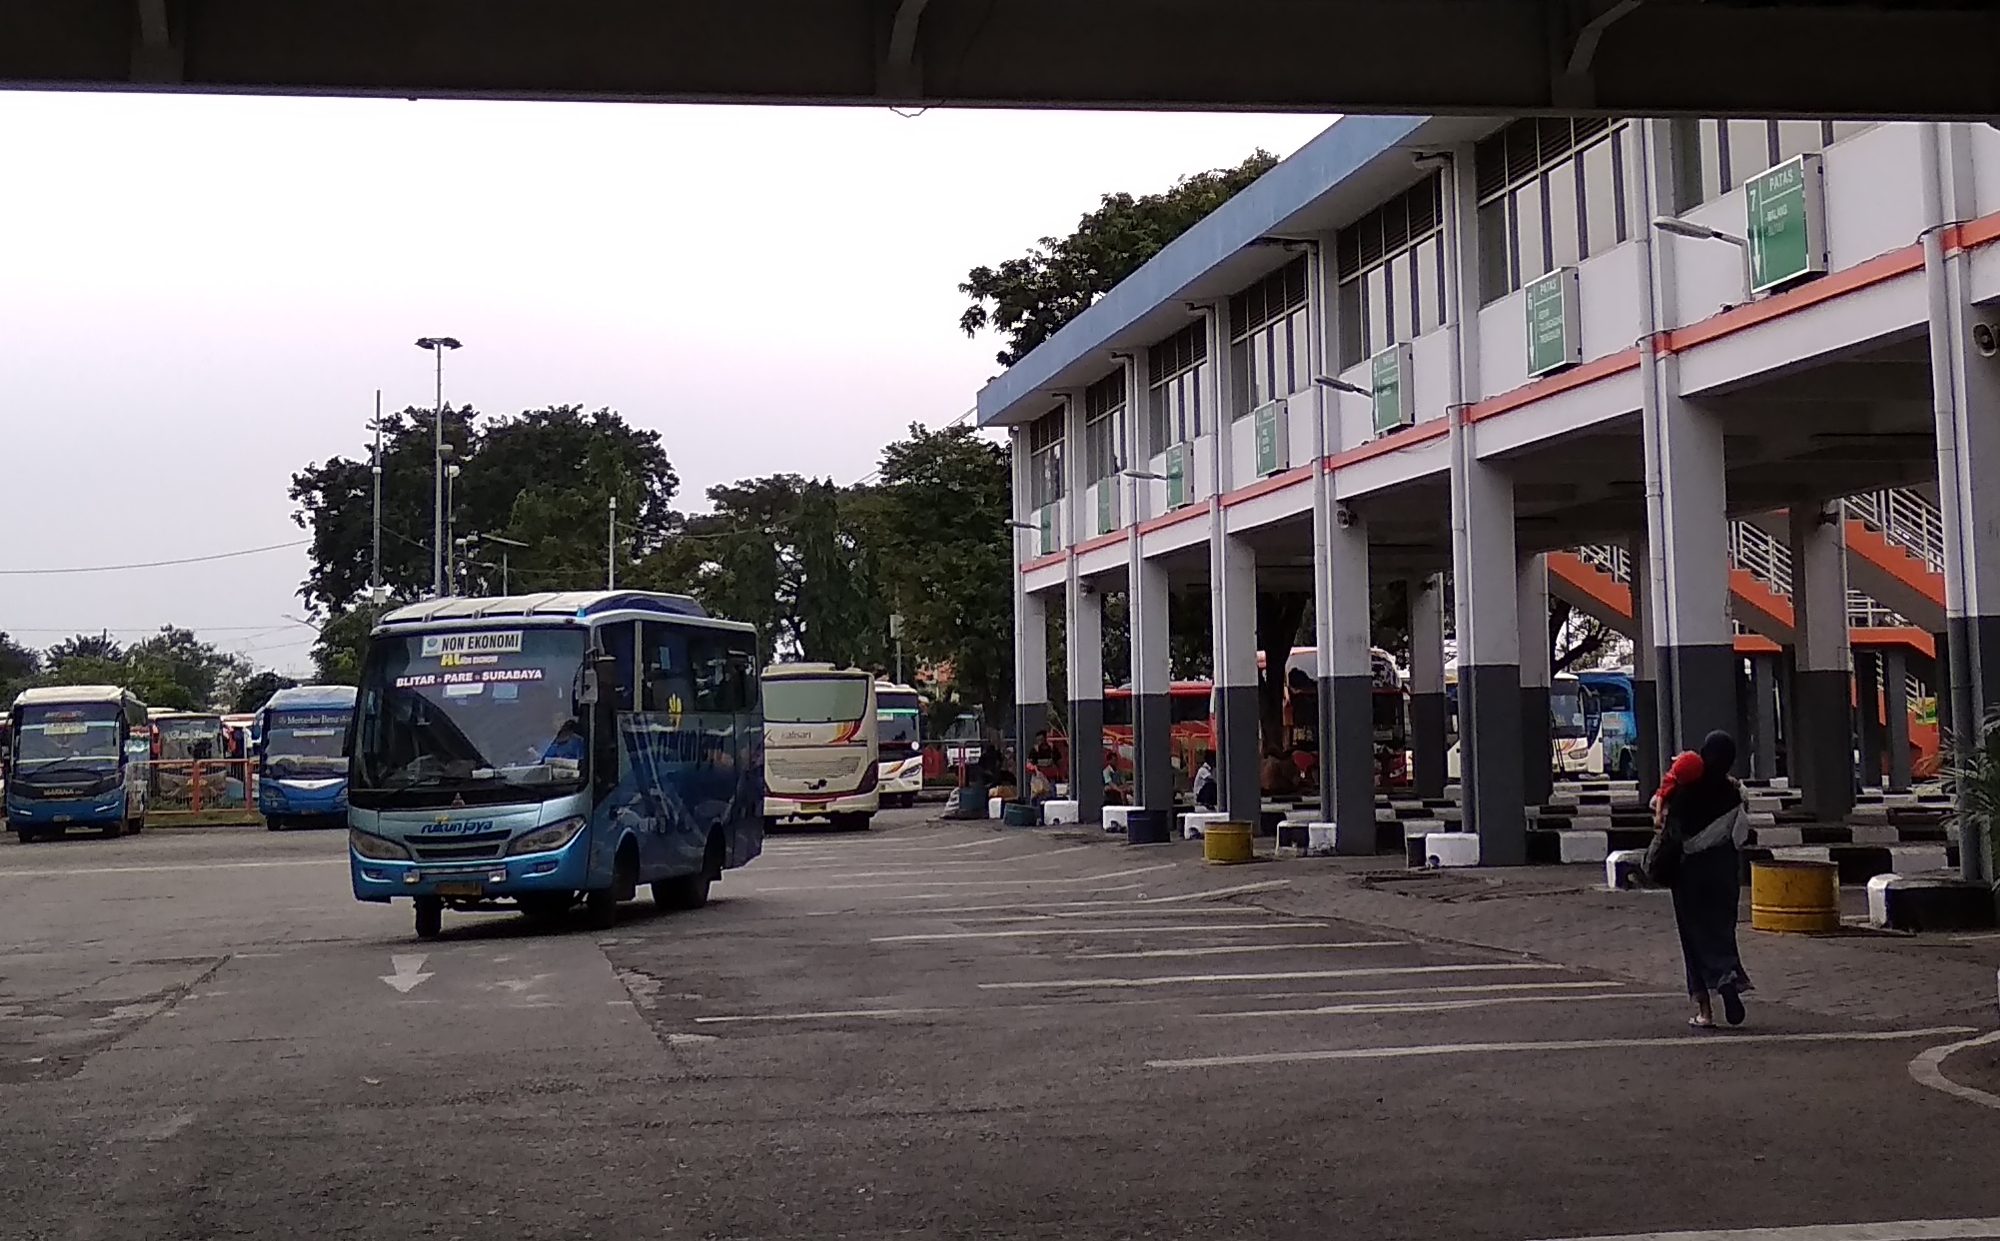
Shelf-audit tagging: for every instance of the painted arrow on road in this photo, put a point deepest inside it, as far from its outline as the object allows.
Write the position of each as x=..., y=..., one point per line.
x=408, y=972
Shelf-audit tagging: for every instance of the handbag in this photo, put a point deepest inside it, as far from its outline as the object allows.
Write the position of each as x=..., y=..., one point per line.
x=1664, y=852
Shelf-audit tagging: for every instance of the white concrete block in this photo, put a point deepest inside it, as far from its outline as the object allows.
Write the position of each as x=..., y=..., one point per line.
x=1868, y=814
x=1195, y=823
x=1623, y=858
x=1803, y=853
x=993, y=805
x=1116, y=819
x=1058, y=810
x=1451, y=849
x=1415, y=828
x=1584, y=846
x=1780, y=837
x=1875, y=834
x=1319, y=839
x=1385, y=814
x=1878, y=899
x=1916, y=859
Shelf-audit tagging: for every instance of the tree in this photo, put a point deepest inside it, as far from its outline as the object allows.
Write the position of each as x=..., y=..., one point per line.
x=1028, y=298
x=258, y=690
x=1575, y=638
x=1279, y=617
x=343, y=640
x=18, y=666
x=205, y=675
x=85, y=645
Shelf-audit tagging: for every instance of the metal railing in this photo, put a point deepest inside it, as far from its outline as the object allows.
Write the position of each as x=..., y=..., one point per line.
x=1905, y=517
x=199, y=786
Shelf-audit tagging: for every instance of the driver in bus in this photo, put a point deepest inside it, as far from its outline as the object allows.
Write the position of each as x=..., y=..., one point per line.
x=567, y=744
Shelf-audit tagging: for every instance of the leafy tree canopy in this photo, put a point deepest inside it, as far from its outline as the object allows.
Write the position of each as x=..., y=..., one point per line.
x=1027, y=299
x=258, y=690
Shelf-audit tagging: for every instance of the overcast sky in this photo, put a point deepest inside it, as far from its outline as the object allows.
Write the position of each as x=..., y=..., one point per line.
x=200, y=295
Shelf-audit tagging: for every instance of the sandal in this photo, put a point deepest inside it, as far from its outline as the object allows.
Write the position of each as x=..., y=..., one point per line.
x=1701, y=1023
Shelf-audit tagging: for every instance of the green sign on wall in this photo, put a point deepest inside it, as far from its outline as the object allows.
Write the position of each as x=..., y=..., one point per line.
x=1269, y=419
x=1047, y=520
x=1555, y=322
x=1177, y=489
x=1107, y=505
x=1395, y=400
x=1786, y=222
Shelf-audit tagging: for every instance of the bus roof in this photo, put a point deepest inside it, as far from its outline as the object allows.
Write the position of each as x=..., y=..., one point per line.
x=803, y=669
x=309, y=697
x=893, y=687
x=73, y=693
x=550, y=605
x=168, y=714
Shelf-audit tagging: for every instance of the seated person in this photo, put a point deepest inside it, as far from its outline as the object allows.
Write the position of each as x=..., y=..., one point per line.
x=566, y=745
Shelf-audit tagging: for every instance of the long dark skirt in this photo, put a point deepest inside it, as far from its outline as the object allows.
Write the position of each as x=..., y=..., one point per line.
x=1706, y=893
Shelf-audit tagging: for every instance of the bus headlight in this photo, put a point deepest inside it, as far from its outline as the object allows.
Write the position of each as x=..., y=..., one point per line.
x=548, y=839
x=376, y=848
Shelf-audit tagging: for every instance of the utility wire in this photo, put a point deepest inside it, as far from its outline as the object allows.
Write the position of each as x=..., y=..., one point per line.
x=154, y=564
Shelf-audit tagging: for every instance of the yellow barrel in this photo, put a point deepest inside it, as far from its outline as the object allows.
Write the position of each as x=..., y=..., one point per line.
x=1799, y=897
x=1226, y=842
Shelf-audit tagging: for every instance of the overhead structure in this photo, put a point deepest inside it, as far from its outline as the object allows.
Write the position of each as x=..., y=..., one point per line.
x=1804, y=58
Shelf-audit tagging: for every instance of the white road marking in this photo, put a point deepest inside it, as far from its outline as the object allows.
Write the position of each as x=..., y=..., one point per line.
x=1229, y=950
x=154, y=870
x=936, y=936
x=1928, y=1070
x=1897, y=1230
x=923, y=868
x=1446, y=1006
x=1459, y=989
x=972, y=883
x=159, y=1131
x=1182, y=980
x=1701, y=1042
x=956, y=896
x=1144, y=911
x=408, y=973
x=1126, y=903
x=848, y=850
x=822, y=1016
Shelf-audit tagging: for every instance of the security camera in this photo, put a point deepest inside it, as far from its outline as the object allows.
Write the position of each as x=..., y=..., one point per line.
x=1343, y=516
x=1985, y=339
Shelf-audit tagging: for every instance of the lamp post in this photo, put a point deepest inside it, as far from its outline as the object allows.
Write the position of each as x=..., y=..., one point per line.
x=451, y=472
x=1678, y=227
x=438, y=345
x=375, y=591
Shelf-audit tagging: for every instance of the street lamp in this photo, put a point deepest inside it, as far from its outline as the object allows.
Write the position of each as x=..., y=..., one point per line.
x=1702, y=232
x=475, y=539
x=1341, y=385
x=451, y=472
x=438, y=345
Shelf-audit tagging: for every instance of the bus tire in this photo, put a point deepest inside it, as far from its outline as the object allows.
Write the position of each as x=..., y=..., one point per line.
x=272, y=823
x=853, y=822
x=430, y=917
x=113, y=831
x=139, y=825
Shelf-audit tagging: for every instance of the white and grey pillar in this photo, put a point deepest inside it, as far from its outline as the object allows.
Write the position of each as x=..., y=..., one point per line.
x=1646, y=748
x=1537, y=745
x=1697, y=647
x=1427, y=701
x=1346, y=680
x=1085, y=648
x=1489, y=658
x=1233, y=615
x=1152, y=741
x=1822, y=745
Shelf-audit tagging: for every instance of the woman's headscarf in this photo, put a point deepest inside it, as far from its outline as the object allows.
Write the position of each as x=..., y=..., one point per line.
x=1714, y=795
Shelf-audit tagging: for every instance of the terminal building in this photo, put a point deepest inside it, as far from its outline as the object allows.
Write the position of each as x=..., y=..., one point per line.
x=1728, y=386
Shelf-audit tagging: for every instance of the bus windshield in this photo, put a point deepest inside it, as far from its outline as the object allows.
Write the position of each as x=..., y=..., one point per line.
x=502, y=722
x=1566, y=710
x=814, y=700
x=899, y=721
x=77, y=735
x=191, y=737
x=305, y=740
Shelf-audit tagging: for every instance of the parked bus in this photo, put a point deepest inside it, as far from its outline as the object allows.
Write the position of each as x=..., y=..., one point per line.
x=534, y=751
x=821, y=745
x=301, y=773
x=1190, y=729
x=182, y=739
x=1609, y=721
x=1572, y=739
x=899, y=727
x=78, y=760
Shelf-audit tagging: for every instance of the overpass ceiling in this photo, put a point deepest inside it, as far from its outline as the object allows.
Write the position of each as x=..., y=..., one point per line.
x=1486, y=57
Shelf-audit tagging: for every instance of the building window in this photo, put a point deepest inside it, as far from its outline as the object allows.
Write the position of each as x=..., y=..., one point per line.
x=1103, y=432
x=1552, y=192
x=1045, y=459
x=1712, y=158
x=1390, y=269
x=1178, y=367
x=1268, y=350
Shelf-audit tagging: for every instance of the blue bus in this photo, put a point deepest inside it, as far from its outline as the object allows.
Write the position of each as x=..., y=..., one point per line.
x=1609, y=719
x=301, y=772
x=78, y=760
x=534, y=752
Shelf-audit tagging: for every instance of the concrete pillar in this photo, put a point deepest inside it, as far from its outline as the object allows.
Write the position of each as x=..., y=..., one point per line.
x=1788, y=718
x=1233, y=613
x=1346, y=681
x=1868, y=711
x=1489, y=655
x=1821, y=749
x=1763, y=730
x=1646, y=731
x=1696, y=646
x=1031, y=679
x=1427, y=703
x=1896, y=700
x=1152, y=742
x=1085, y=609
x=1537, y=746
x=1941, y=686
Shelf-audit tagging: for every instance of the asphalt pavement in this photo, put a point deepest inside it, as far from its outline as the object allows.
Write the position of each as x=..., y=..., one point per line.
x=926, y=1030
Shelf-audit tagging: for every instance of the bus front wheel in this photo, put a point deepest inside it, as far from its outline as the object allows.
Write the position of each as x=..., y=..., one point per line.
x=430, y=917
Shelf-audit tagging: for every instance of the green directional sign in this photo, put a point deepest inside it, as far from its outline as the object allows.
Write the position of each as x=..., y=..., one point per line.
x=1107, y=505
x=1047, y=520
x=1786, y=222
x=1177, y=488
x=1555, y=322
x=1269, y=419
x=1395, y=401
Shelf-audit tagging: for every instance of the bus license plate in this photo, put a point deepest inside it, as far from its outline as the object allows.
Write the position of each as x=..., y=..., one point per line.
x=460, y=889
